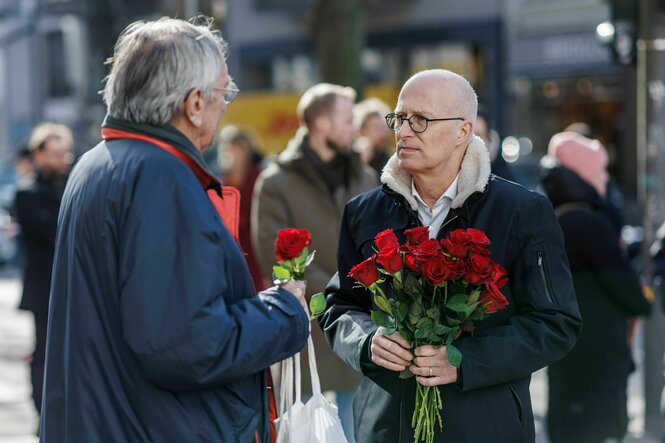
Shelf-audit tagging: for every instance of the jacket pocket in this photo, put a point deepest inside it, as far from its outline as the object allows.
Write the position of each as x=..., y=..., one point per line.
x=518, y=402
x=541, y=279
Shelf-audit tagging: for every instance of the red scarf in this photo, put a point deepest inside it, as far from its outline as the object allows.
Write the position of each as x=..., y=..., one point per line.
x=227, y=205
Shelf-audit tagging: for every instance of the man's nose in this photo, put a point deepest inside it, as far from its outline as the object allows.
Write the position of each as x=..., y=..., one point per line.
x=404, y=130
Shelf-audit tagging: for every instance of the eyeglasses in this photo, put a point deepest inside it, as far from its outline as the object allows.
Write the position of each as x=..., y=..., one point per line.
x=230, y=92
x=417, y=122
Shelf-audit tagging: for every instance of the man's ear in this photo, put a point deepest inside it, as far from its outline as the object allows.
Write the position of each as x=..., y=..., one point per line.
x=465, y=133
x=193, y=107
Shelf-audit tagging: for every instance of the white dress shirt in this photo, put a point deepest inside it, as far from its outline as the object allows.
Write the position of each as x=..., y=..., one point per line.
x=434, y=218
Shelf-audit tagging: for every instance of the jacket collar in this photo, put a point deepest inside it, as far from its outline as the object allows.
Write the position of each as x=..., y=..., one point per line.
x=166, y=133
x=293, y=156
x=473, y=176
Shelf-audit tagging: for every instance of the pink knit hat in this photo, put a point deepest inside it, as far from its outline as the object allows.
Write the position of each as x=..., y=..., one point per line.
x=587, y=158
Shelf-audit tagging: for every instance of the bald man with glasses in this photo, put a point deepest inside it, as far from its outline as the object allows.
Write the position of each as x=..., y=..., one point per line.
x=440, y=178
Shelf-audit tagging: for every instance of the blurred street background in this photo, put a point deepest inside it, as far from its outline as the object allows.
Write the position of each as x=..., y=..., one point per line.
x=538, y=67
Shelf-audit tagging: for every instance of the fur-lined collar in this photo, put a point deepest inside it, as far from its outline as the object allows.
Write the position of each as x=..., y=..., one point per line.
x=473, y=177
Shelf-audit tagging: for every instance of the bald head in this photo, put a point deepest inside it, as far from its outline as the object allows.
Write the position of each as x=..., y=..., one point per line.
x=452, y=91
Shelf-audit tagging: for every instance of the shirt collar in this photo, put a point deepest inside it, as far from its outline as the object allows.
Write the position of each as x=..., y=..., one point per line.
x=449, y=193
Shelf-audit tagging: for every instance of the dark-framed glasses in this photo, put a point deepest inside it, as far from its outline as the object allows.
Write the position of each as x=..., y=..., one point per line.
x=417, y=122
x=230, y=92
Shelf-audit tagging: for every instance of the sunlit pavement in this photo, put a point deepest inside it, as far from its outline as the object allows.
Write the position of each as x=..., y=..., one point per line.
x=18, y=419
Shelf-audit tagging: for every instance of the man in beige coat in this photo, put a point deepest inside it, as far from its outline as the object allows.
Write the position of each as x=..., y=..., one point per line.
x=307, y=187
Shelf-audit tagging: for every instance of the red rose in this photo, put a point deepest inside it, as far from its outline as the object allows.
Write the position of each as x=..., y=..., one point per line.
x=492, y=299
x=290, y=243
x=411, y=263
x=385, y=238
x=436, y=271
x=428, y=248
x=457, y=250
x=479, y=269
x=500, y=277
x=478, y=238
x=416, y=236
x=390, y=258
x=365, y=272
x=457, y=266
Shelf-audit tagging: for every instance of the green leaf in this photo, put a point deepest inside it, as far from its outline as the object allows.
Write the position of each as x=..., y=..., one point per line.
x=401, y=311
x=433, y=313
x=280, y=273
x=477, y=314
x=405, y=374
x=425, y=328
x=452, y=321
x=317, y=304
x=473, y=297
x=457, y=303
x=383, y=304
x=388, y=331
x=309, y=259
x=405, y=332
x=454, y=356
x=382, y=319
x=442, y=330
x=451, y=336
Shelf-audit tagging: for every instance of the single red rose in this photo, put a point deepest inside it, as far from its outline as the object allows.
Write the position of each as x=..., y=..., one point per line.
x=390, y=258
x=435, y=270
x=416, y=236
x=480, y=269
x=492, y=299
x=457, y=250
x=385, y=238
x=291, y=242
x=478, y=238
x=500, y=277
x=411, y=263
x=428, y=248
x=365, y=272
x=457, y=266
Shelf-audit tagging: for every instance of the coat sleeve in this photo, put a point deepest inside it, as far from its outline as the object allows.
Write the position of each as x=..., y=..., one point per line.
x=346, y=322
x=545, y=319
x=38, y=220
x=188, y=322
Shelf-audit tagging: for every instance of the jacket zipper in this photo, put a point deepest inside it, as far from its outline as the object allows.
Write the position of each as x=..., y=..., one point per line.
x=446, y=223
x=541, y=267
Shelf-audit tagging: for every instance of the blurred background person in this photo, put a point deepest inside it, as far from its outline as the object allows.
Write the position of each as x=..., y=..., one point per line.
x=484, y=130
x=37, y=204
x=374, y=143
x=240, y=163
x=307, y=187
x=587, y=388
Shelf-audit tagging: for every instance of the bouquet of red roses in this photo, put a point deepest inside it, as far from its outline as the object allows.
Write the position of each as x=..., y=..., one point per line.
x=438, y=289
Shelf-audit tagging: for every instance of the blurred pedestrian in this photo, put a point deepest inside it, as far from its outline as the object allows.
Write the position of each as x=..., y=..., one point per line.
x=374, y=141
x=484, y=130
x=37, y=203
x=587, y=388
x=307, y=187
x=240, y=163
x=24, y=167
x=440, y=178
x=156, y=334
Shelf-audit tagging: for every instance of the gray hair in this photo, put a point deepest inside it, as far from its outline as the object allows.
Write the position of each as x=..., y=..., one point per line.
x=156, y=64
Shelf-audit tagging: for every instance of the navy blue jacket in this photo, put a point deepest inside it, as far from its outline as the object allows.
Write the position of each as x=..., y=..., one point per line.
x=156, y=333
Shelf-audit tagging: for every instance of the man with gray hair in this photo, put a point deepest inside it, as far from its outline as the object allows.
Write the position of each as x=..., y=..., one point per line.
x=155, y=331
x=440, y=178
x=307, y=187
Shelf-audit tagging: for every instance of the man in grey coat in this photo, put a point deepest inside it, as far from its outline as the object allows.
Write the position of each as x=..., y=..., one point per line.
x=307, y=188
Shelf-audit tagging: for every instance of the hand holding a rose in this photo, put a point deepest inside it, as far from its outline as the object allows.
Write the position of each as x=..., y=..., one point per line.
x=297, y=288
x=390, y=351
x=431, y=366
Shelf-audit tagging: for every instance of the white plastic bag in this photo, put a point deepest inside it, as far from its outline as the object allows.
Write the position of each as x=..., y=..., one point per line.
x=316, y=421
